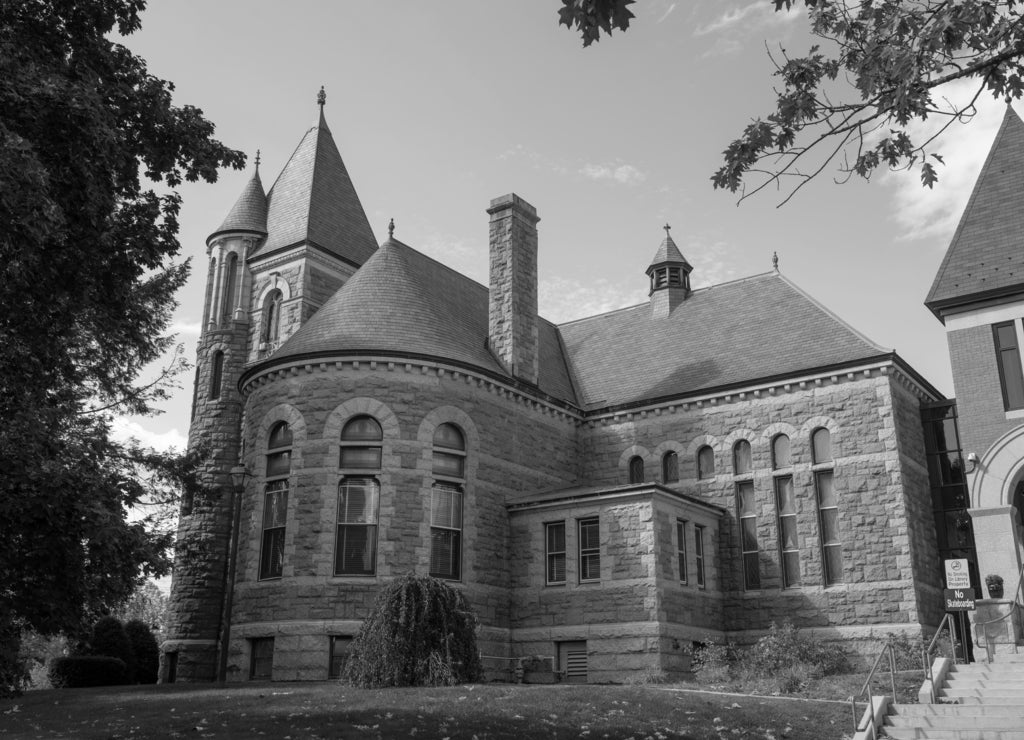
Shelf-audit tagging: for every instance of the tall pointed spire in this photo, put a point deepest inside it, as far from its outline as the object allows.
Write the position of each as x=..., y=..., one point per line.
x=314, y=201
x=249, y=214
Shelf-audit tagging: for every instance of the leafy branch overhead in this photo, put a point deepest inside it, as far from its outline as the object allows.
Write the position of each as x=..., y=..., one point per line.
x=856, y=101
x=591, y=17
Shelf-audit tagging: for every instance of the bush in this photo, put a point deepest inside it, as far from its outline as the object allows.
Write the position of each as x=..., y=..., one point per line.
x=13, y=671
x=80, y=671
x=109, y=639
x=421, y=633
x=713, y=662
x=145, y=650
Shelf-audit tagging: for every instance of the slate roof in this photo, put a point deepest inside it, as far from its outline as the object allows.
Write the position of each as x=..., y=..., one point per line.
x=986, y=256
x=249, y=213
x=668, y=252
x=402, y=302
x=313, y=200
x=730, y=334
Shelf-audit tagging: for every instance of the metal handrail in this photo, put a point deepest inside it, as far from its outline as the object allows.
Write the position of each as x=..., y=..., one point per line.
x=926, y=653
x=865, y=689
x=985, y=624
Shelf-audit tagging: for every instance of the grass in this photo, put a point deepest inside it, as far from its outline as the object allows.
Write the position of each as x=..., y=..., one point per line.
x=333, y=710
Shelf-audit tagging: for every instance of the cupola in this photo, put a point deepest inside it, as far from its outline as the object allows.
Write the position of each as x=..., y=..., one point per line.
x=669, y=273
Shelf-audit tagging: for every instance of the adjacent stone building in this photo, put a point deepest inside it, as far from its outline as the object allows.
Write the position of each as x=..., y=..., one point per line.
x=607, y=491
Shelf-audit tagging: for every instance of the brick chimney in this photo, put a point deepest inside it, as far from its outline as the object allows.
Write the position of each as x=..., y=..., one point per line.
x=512, y=314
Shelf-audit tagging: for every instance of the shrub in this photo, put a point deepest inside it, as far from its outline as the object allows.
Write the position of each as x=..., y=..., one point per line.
x=109, y=639
x=713, y=662
x=784, y=646
x=145, y=650
x=13, y=671
x=421, y=633
x=80, y=671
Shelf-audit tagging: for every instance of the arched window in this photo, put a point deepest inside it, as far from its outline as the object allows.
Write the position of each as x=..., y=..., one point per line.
x=828, y=507
x=275, y=500
x=272, y=317
x=706, y=462
x=785, y=512
x=670, y=467
x=446, y=498
x=355, y=548
x=781, y=452
x=211, y=277
x=216, y=374
x=230, y=279
x=741, y=459
x=636, y=469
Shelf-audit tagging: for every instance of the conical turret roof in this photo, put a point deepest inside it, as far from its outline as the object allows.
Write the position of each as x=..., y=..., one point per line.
x=985, y=259
x=249, y=214
x=668, y=252
x=313, y=201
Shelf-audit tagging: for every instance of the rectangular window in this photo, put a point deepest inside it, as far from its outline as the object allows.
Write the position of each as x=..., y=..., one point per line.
x=1008, y=356
x=681, y=548
x=828, y=521
x=554, y=536
x=340, y=646
x=275, y=509
x=261, y=664
x=789, y=548
x=356, y=547
x=446, y=531
x=590, y=550
x=747, y=508
x=698, y=550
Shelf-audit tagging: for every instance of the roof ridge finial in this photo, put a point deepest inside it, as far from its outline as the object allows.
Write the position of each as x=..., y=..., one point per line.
x=321, y=98
x=775, y=261
x=391, y=229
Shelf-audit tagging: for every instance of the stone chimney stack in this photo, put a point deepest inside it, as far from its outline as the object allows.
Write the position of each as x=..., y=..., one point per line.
x=512, y=315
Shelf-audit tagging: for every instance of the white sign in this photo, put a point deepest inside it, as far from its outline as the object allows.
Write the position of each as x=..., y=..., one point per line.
x=957, y=574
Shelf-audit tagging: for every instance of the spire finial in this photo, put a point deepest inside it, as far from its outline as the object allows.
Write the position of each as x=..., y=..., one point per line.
x=775, y=261
x=666, y=227
x=321, y=97
x=391, y=228
x=257, y=160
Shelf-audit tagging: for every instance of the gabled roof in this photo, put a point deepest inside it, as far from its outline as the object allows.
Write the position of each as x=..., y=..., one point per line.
x=314, y=201
x=985, y=259
x=402, y=303
x=726, y=335
x=249, y=214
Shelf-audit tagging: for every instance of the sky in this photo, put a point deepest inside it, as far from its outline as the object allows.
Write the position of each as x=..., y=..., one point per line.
x=439, y=107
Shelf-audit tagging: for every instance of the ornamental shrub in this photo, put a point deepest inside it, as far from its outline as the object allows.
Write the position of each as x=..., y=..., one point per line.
x=785, y=646
x=81, y=671
x=422, y=632
x=109, y=638
x=145, y=650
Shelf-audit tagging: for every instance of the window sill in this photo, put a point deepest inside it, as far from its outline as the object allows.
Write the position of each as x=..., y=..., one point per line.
x=1015, y=414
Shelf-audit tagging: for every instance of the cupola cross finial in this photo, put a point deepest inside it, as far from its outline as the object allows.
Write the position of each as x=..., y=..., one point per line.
x=391, y=228
x=321, y=97
x=257, y=160
x=666, y=227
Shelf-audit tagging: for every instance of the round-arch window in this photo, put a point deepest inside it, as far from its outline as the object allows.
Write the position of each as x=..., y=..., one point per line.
x=360, y=444
x=670, y=467
x=449, y=451
x=706, y=462
x=741, y=458
x=279, y=454
x=781, y=452
x=821, y=443
x=636, y=469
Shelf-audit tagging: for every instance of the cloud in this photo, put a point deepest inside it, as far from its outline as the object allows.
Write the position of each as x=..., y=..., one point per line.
x=749, y=19
x=565, y=299
x=624, y=174
x=713, y=261
x=124, y=429
x=537, y=160
x=469, y=258
x=666, y=14
x=186, y=328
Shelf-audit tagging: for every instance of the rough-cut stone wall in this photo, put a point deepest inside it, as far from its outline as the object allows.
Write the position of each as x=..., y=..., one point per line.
x=512, y=448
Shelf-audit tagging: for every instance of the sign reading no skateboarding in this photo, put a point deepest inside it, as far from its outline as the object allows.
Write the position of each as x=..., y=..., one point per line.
x=957, y=574
x=959, y=599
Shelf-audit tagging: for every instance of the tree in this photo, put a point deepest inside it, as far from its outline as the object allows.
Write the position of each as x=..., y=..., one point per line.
x=851, y=102
x=421, y=632
x=147, y=605
x=89, y=260
x=145, y=651
x=110, y=639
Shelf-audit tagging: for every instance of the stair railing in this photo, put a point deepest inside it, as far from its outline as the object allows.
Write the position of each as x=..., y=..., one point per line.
x=890, y=650
x=928, y=652
x=1016, y=602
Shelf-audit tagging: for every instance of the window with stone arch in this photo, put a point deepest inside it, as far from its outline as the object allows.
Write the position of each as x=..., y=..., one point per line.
x=823, y=465
x=359, y=461
x=636, y=469
x=705, y=462
x=275, y=500
x=216, y=374
x=746, y=513
x=785, y=511
x=272, y=317
x=446, y=502
x=230, y=281
x=670, y=467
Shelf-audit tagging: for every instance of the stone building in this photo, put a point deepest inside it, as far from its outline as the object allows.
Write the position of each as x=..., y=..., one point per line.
x=607, y=491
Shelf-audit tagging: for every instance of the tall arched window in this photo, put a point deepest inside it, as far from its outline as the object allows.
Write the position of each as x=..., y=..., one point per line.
x=355, y=551
x=706, y=462
x=828, y=507
x=636, y=469
x=446, y=498
x=670, y=467
x=230, y=280
x=216, y=374
x=275, y=500
x=741, y=459
x=785, y=512
x=746, y=512
x=211, y=277
x=272, y=317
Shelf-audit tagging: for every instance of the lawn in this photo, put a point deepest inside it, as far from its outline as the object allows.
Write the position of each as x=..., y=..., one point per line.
x=334, y=710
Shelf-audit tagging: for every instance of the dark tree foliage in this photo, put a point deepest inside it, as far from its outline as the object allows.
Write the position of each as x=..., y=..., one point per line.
x=109, y=638
x=89, y=270
x=851, y=103
x=421, y=633
x=81, y=671
x=145, y=650
x=591, y=17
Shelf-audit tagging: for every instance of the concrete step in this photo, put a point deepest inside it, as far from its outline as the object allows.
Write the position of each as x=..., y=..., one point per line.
x=958, y=681
x=978, y=720
x=984, y=701
x=918, y=733
x=989, y=693
x=1014, y=709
